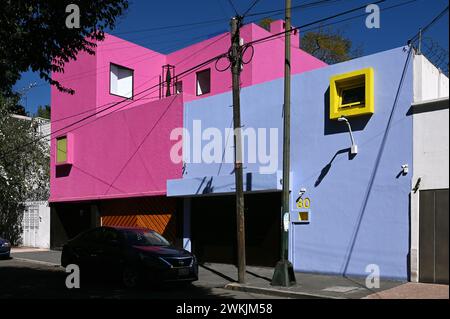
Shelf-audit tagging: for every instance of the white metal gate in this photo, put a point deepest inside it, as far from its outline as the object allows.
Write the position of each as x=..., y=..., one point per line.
x=30, y=226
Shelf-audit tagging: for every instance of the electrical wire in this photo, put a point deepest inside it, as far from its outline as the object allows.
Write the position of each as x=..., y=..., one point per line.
x=234, y=7
x=216, y=58
x=250, y=8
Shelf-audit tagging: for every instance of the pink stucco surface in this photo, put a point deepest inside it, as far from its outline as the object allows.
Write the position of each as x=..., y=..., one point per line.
x=122, y=154
x=123, y=149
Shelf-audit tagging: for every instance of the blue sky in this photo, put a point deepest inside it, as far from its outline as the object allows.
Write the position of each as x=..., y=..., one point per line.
x=397, y=26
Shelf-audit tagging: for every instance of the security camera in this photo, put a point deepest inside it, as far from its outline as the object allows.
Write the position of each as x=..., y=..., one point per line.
x=405, y=169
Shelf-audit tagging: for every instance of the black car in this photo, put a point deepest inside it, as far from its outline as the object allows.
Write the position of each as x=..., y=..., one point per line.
x=5, y=248
x=132, y=254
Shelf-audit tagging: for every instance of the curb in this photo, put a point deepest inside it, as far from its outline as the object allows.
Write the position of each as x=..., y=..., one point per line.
x=45, y=263
x=277, y=292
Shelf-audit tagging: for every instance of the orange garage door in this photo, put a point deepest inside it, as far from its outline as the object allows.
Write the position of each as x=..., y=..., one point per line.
x=157, y=213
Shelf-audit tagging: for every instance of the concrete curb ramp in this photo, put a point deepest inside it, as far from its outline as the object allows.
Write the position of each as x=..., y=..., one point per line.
x=276, y=292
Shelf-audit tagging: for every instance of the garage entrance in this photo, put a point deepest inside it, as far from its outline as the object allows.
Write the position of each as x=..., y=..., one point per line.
x=157, y=213
x=213, y=227
x=433, y=236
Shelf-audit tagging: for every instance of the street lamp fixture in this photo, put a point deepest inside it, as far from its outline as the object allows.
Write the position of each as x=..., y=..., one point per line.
x=354, y=147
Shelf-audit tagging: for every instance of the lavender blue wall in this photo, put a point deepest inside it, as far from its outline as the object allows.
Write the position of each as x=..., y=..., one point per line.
x=348, y=230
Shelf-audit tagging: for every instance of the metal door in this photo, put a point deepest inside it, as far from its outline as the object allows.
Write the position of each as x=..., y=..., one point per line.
x=433, y=236
x=30, y=226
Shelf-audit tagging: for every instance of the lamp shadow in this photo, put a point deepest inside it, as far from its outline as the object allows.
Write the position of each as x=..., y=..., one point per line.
x=326, y=169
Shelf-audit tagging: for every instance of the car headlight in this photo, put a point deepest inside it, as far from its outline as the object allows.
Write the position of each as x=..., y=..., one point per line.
x=6, y=244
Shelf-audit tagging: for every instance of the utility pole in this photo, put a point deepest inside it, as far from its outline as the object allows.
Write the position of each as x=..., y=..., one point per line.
x=236, y=64
x=284, y=272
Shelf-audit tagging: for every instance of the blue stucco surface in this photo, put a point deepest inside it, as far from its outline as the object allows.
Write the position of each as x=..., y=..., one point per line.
x=359, y=206
x=350, y=230
x=223, y=184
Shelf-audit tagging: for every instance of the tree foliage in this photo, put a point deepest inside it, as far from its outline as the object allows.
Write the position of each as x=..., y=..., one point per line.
x=34, y=35
x=44, y=111
x=265, y=23
x=329, y=46
x=24, y=169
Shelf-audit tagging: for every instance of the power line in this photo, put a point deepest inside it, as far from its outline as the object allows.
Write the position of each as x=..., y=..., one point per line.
x=85, y=74
x=234, y=7
x=300, y=6
x=181, y=62
x=250, y=8
x=176, y=26
x=429, y=25
x=344, y=20
x=312, y=23
x=185, y=73
x=181, y=75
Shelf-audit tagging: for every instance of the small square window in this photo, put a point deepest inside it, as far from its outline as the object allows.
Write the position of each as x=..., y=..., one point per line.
x=204, y=82
x=61, y=150
x=121, y=81
x=352, y=94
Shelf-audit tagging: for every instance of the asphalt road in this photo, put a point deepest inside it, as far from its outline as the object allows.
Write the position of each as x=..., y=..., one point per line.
x=25, y=279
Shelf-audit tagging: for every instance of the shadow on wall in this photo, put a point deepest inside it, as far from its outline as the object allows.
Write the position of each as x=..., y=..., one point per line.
x=334, y=127
x=326, y=169
x=62, y=170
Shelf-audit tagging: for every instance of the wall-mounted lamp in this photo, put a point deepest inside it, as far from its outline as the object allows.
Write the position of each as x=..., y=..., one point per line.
x=354, y=147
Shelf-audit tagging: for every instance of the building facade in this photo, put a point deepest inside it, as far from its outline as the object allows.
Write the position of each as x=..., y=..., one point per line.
x=164, y=158
x=36, y=214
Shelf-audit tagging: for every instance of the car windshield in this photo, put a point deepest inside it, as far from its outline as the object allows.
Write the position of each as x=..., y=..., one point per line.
x=144, y=238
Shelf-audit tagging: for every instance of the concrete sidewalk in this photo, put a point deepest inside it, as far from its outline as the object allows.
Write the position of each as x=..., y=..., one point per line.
x=315, y=286
x=309, y=286
x=44, y=256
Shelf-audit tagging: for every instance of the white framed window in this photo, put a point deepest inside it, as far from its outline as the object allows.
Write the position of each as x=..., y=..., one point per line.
x=204, y=82
x=121, y=81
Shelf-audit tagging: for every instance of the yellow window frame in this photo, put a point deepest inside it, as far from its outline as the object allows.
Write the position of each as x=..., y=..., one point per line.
x=61, y=149
x=340, y=83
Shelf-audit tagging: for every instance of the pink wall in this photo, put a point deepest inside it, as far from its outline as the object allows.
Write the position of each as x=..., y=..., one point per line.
x=103, y=144
x=267, y=63
x=145, y=63
x=267, y=67
x=123, y=154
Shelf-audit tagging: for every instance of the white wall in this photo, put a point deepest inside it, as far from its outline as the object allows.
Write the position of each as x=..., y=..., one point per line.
x=431, y=148
x=430, y=142
x=429, y=82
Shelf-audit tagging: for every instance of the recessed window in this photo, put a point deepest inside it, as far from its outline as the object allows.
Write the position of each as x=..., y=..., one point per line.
x=121, y=81
x=204, y=82
x=179, y=87
x=61, y=150
x=352, y=94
